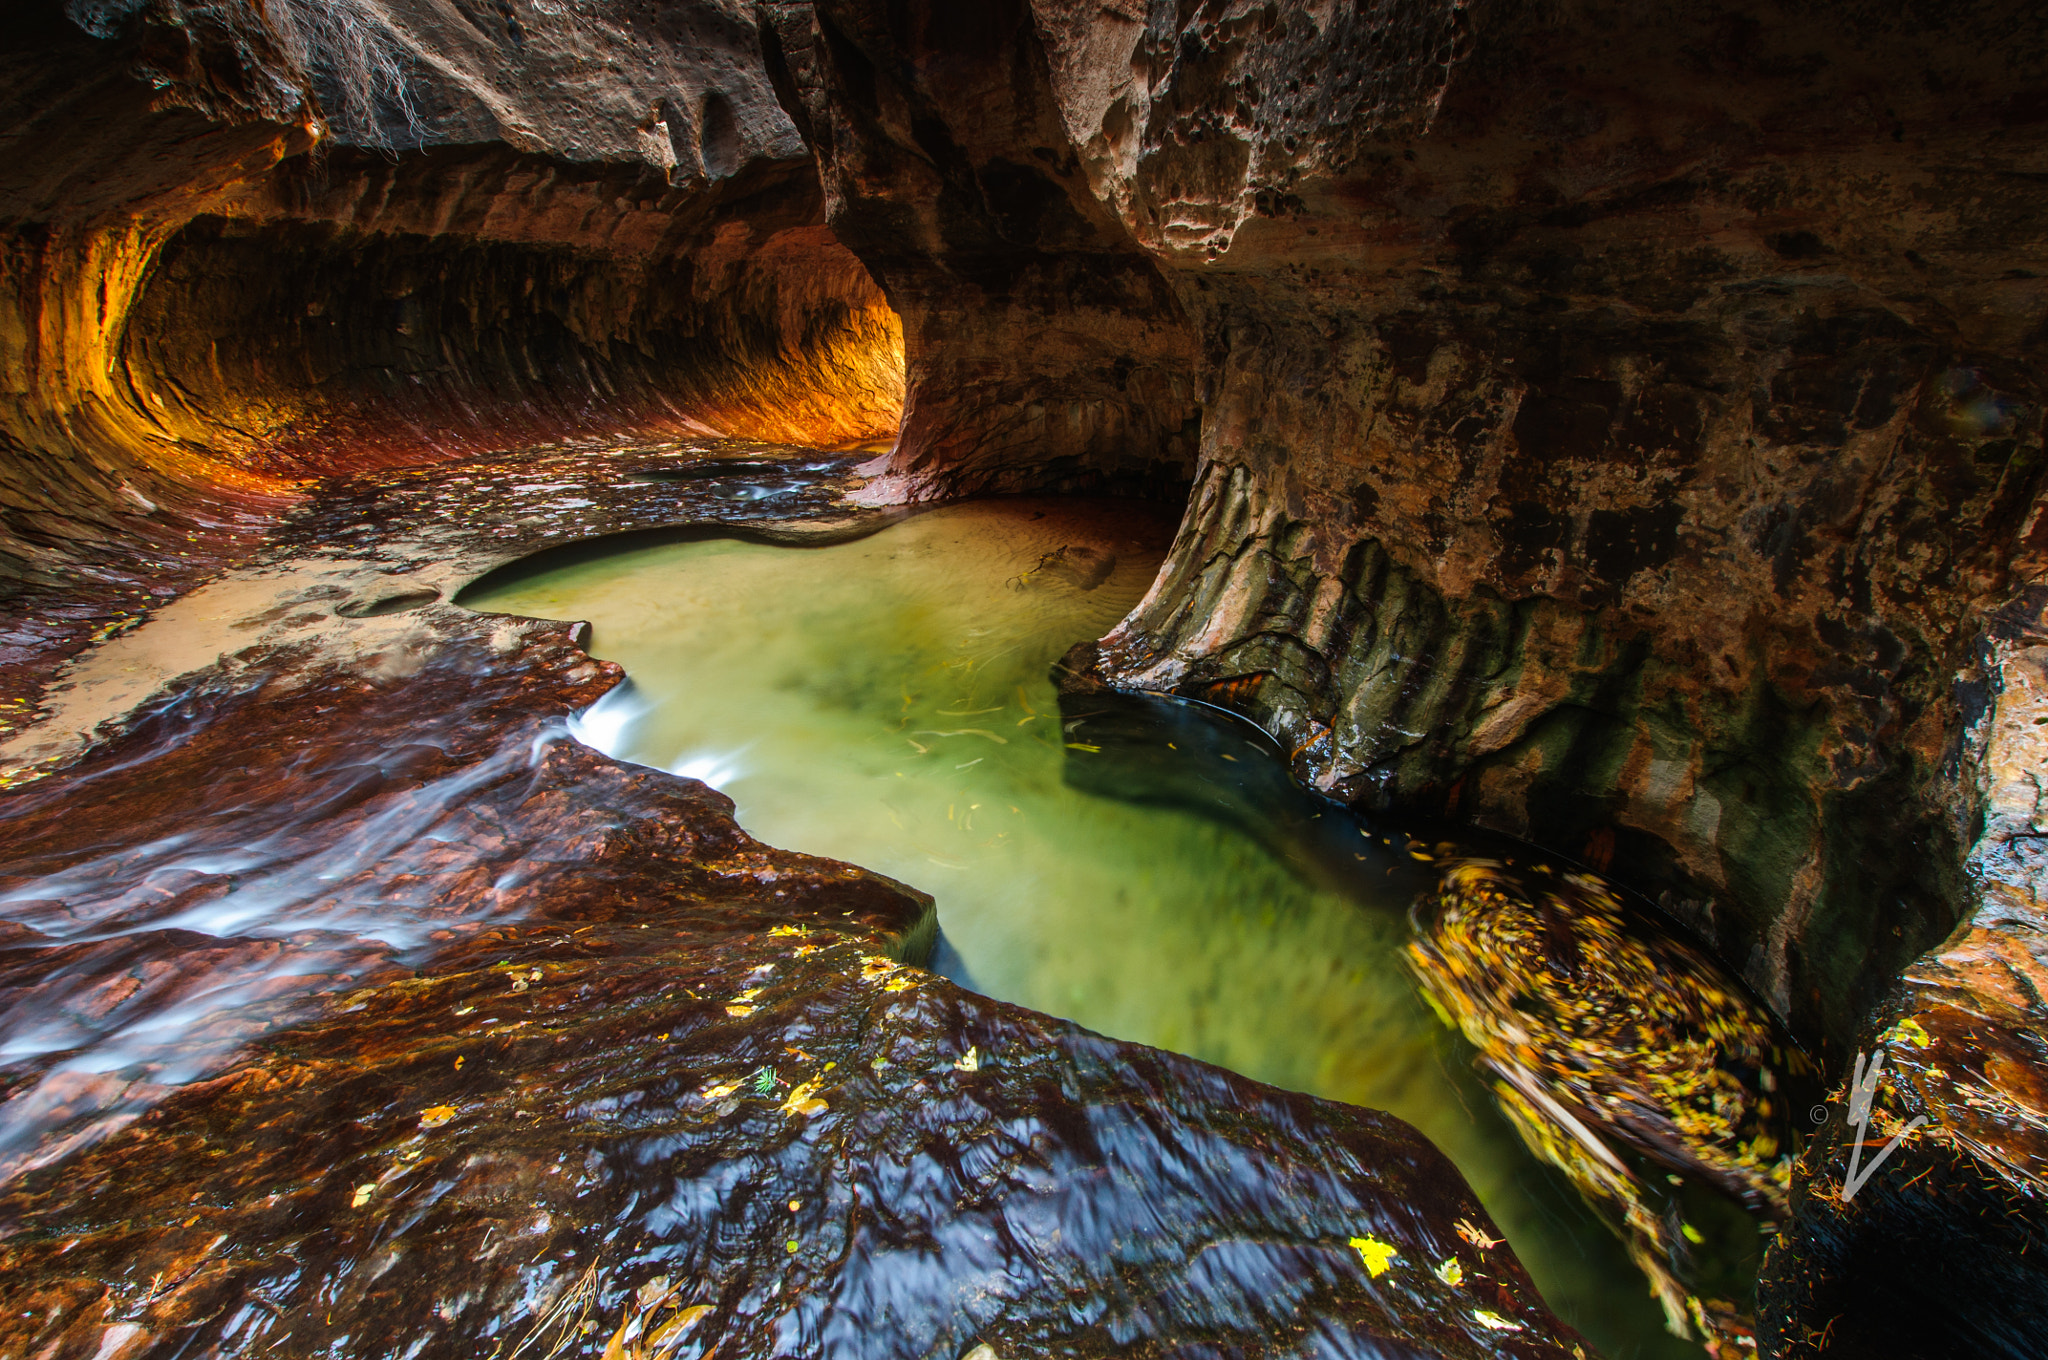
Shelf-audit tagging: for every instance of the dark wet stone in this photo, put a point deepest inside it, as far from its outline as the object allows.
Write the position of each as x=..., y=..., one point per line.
x=628, y=1069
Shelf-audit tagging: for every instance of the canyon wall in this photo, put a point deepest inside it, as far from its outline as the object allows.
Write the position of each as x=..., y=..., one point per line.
x=247, y=245
x=1620, y=427
x=1613, y=427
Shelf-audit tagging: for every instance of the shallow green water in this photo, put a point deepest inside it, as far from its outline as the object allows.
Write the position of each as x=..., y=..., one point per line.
x=887, y=702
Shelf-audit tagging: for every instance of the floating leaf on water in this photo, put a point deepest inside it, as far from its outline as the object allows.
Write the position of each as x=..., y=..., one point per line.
x=784, y=932
x=741, y=1011
x=1376, y=1254
x=719, y=1092
x=363, y=1193
x=1692, y=1234
x=982, y=1352
x=1494, y=1321
x=899, y=984
x=1450, y=1272
x=970, y=1061
x=747, y=995
x=436, y=1116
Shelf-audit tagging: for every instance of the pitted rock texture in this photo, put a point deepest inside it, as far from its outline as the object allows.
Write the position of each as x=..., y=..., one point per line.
x=539, y=1052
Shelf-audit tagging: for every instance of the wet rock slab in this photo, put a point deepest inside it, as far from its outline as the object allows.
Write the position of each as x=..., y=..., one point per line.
x=356, y=1009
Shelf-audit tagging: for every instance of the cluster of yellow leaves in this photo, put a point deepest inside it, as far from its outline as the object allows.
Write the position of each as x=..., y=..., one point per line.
x=1908, y=1031
x=654, y=1323
x=900, y=979
x=1584, y=1015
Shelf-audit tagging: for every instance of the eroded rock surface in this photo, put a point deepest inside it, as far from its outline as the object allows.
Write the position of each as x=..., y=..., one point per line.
x=1604, y=424
x=516, y=1049
x=1620, y=429
x=250, y=244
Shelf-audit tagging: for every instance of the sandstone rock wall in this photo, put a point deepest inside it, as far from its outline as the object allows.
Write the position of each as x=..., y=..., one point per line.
x=1618, y=426
x=1613, y=425
x=245, y=244
x=1043, y=351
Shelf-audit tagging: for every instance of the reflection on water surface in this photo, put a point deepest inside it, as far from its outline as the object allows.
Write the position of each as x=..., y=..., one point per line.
x=887, y=702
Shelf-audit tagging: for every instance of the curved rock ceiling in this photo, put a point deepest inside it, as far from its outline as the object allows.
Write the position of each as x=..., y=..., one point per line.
x=1616, y=426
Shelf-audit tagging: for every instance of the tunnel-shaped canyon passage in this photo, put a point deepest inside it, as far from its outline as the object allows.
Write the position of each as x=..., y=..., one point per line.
x=1620, y=433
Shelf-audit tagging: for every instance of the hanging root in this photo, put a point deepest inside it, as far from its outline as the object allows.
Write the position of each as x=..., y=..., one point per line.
x=352, y=44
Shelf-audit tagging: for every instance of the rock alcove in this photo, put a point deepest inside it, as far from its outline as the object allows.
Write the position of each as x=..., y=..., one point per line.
x=1621, y=431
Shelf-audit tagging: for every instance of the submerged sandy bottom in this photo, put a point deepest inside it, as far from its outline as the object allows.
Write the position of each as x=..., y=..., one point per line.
x=887, y=702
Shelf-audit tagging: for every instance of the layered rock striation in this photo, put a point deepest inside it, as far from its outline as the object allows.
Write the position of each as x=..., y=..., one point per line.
x=1622, y=428
x=247, y=245
x=1612, y=429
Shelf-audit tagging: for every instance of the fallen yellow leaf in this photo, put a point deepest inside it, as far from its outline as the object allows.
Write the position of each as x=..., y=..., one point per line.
x=1376, y=1254
x=436, y=1116
x=1909, y=1030
x=802, y=1102
x=671, y=1331
x=1450, y=1272
x=363, y=1193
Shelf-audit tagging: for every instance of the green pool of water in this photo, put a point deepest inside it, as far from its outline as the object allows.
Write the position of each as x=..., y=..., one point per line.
x=887, y=702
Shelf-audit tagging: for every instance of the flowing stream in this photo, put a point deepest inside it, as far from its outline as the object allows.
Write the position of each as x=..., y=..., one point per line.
x=1141, y=867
